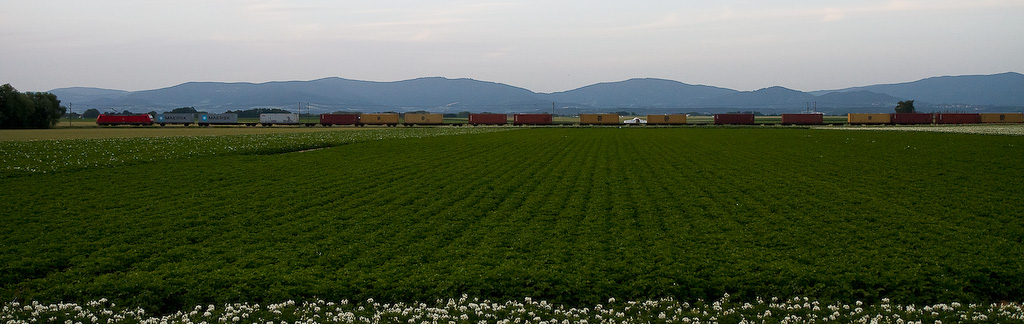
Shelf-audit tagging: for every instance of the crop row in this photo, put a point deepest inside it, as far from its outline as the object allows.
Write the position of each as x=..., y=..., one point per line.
x=41, y=156
x=525, y=311
x=573, y=216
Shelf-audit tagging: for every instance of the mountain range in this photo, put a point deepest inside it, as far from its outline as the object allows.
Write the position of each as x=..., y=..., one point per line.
x=997, y=92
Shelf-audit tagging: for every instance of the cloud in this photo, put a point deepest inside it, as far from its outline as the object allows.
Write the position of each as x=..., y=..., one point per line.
x=665, y=21
x=902, y=6
x=422, y=22
x=745, y=14
x=275, y=9
x=832, y=14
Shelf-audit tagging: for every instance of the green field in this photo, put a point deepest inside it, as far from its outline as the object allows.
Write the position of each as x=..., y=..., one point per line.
x=568, y=215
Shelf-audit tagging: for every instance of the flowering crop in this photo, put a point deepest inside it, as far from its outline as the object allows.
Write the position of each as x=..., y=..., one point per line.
x=989, y=129
x=525, y=311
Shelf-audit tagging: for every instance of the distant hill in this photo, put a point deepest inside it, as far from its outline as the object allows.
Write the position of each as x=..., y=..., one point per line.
x=641, y=93
x=856, y=99
x=1006, y=89
x=326, y=94
x=82, y=94
x=1003, y=92
x=441, y=93
x=772, y=97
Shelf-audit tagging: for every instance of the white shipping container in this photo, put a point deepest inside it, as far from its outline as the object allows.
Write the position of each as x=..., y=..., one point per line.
x=279, y=118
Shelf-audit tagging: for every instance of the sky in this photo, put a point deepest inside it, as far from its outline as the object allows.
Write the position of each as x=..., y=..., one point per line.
x=543, y=45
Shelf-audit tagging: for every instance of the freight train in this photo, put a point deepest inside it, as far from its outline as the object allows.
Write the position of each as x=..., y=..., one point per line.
x=187, y=119
x=326, y=120
x=935, y=118
x=413, y=119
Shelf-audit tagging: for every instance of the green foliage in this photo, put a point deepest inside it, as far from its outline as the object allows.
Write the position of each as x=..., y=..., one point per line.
x=47, y=110
x=573, y=216
x=28, y=110
x=15, y=108
x=91, y=113
x=184, y=110
x=905, y=107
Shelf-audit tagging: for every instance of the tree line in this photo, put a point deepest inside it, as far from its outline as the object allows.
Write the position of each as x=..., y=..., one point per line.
x=28, y=110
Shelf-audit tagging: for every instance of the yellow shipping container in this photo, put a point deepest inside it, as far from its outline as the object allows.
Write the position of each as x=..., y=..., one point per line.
x=666, y=119
x=379, y=119
x=868, y=118
x=1002, y=118
x=599, y=119
x=423, y=119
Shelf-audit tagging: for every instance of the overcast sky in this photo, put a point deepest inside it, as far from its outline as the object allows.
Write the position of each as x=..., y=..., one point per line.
x=544, y=46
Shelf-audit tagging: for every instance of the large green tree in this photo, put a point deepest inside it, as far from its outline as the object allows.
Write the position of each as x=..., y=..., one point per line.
x=15, y=107
x=28, y=110
x=47, y=110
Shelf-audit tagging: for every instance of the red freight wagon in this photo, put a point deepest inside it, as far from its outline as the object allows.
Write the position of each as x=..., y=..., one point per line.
x=112, y=120
x=910, y=119
x=531, y=119
x=488, y=119
x=958, y=119
x=339, y=119
x=727, y=119
x=803, y=119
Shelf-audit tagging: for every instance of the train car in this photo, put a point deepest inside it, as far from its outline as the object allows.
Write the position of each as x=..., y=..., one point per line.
x=175, y=119
x=599, y=119
x=734, y=119
x=868, y=118
x=943, y=118
x=803, y=119
x=488, y=119
x=114, y=120
x=413, y=119
x=531, y=119
x=677, y=119
x=1002, y=118
x=279, y=119
x=911, y=119
x=329, y=120
x=389, y=119
x=220, y=119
